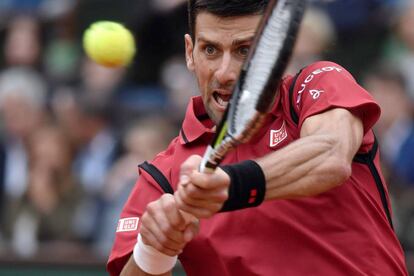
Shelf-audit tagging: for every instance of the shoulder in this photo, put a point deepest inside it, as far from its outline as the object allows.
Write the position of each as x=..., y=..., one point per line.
x=165, y=159
x=323, y=69
x=325, y=85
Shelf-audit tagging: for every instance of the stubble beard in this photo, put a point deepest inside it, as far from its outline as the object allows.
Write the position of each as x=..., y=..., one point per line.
x=213, y=116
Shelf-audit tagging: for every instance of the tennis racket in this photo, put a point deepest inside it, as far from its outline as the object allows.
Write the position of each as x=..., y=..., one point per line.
x=256, y=88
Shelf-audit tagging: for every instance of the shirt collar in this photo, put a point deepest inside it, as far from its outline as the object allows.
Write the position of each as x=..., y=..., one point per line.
x=281, y=89
x=196, y=122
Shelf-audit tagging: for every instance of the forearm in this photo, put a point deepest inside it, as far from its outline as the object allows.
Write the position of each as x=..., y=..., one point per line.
x=163, y=233
x=318, y=161
x=307, y=167
x=131, y=269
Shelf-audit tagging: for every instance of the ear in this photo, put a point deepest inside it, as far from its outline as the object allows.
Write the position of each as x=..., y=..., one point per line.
x=189, y=47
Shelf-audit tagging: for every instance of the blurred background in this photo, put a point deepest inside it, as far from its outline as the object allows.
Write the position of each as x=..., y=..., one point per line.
x=72, y=132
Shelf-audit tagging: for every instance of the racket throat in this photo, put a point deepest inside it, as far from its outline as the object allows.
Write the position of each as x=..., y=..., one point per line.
x=217, y=154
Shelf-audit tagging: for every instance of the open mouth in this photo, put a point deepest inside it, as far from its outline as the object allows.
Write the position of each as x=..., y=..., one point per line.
x=221, y=99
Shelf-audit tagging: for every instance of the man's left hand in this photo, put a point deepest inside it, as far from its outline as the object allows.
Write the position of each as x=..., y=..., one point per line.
x=201, y=194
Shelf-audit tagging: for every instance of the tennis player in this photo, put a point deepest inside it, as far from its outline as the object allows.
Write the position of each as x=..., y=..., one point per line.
x=305, y=197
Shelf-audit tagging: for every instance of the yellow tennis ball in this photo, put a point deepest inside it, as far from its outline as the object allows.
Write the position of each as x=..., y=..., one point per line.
x=109, y=44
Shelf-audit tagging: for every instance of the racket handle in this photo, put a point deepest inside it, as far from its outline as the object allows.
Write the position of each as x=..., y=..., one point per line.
x=207, y=165
x=214, y=155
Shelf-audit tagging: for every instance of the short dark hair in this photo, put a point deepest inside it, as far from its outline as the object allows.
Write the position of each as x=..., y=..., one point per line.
x=223, y=8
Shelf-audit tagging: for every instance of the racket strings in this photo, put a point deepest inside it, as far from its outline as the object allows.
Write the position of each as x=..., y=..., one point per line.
x=267, y=52
x=256, y=88
x=261, y=66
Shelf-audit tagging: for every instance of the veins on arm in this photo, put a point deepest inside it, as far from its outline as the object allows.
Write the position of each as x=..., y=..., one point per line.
x=317, y=162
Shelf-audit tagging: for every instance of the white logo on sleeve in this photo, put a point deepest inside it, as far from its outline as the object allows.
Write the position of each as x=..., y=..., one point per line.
x=315, y=93
x=304, y=85
x=127, y=224
x=277, y=136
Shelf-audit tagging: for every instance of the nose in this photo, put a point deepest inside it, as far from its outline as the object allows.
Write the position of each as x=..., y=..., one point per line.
x=226, y=74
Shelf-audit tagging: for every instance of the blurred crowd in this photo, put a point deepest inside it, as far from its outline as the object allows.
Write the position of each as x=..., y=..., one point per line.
x=72, y=132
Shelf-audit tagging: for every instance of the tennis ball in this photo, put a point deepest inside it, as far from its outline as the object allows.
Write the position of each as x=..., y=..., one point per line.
x=109, y=44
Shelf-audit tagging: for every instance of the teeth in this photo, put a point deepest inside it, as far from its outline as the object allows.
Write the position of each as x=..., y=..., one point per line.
x=222, y=102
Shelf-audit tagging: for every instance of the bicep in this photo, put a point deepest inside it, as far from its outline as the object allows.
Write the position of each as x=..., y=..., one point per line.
x=338, y=124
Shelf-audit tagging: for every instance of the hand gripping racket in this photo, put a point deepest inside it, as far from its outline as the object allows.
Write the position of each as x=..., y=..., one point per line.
x=256, y=88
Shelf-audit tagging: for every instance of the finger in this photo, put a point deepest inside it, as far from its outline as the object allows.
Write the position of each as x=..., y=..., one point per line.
x=197, y=199
x=210, y=181
x=175, y=243
x=191, y=230
x=173, y=215
x=194, y=192
x=155, y=219
x=191, y=164
x=189, y=218
x=150, y=239
x=199, y=212
x=166, y=234
x=202, y=212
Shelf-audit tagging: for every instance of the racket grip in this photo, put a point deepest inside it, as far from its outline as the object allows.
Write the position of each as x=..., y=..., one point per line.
x=207, y=165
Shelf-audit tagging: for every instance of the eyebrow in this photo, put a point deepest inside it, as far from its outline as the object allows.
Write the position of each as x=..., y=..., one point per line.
x=243, y=40
x=206, y=40
x=234, y=43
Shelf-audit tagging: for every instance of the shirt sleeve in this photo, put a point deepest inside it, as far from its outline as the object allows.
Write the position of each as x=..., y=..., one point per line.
x=325, y=85
x=144, y=192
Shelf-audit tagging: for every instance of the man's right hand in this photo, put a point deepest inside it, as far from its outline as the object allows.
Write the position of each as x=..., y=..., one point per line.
x=166, y=228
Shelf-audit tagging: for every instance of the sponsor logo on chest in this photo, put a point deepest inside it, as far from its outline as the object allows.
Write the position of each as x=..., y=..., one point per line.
x=277, y=136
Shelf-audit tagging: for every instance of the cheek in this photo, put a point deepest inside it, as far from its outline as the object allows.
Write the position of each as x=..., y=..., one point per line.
x=203, y=71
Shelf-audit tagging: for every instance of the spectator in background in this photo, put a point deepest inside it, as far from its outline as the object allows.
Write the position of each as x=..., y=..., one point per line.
x=98, y=149
x=46, y=9
x=45, y=212
x=180, y=86
x=22, y=103
x=89, y=100
x=23, y=42
x=166, y=17
x=360, y=27
x=85, y=117
x=146, y=92
x=52, y=188
x=389, y=88
x=399, y=49
x=62, y=51
x=143, y=139
x=316, y=36
x=106, y=86
x=400, y=53
x=395, y=131
x=100, y=84
x=166, y=5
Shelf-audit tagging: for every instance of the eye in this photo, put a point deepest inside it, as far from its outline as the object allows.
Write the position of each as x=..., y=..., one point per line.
x=244, y=51
x=210, y=50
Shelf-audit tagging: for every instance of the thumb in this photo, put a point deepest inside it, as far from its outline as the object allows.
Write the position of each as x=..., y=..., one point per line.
x=189, y=218
x=191, y=164
x=191, y=230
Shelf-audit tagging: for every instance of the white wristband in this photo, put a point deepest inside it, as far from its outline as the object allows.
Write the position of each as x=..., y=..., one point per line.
x=151, y=260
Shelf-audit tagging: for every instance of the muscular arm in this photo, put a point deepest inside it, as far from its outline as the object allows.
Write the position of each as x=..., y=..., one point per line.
x=131, y=269
x=320, y=160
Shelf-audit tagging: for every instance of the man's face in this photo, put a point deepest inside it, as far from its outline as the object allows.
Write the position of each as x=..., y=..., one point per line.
x=216, y=56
